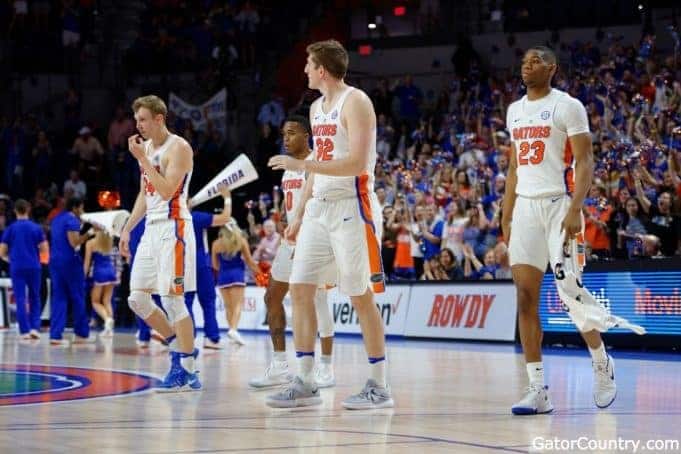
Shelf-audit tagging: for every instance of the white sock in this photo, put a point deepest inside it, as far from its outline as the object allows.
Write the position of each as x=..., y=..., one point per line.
x=325, y=359
x=188, y=363
x=535, y=372
x=305, y=368
x=377, y=372
x=599, y=355
x=279, y=357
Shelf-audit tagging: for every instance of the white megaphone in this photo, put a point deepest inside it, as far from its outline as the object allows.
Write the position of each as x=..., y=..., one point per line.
x=111, y=221
x=238, y=173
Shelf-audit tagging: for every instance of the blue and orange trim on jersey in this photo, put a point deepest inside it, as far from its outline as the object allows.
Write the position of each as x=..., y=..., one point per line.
x=377, y=276
x=174, y=212
x=569, y=173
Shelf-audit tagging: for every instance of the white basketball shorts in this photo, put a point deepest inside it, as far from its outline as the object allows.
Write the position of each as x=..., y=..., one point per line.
x=165, y=261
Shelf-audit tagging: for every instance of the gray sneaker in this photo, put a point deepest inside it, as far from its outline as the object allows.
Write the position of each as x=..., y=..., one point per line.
x=372, y=396
x=295, y=394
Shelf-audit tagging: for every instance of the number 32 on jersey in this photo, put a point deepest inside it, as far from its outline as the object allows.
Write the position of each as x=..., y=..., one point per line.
x=324, y=149
x=534, y=149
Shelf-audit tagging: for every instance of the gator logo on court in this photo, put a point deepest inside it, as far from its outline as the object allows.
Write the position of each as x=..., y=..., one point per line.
x=22, y=384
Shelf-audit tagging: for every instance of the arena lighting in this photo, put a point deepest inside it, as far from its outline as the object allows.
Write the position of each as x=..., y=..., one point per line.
x=400, y=11
x=640, y=6
x=372, y=26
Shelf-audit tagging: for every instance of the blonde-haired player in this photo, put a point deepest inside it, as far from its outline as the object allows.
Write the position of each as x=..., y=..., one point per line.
x=550, y=173
x=164, y=262
x=339, y=218
x=296, y=135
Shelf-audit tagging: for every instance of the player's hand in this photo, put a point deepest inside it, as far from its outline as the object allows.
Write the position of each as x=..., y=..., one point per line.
x=572, y=224
x=136, y=146
x=291, y=231
x=124, y=244
x=283, y=162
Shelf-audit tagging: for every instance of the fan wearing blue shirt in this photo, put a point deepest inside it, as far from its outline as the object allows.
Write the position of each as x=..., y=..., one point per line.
x=67, y=275
x=21, y=245
x=205, y=284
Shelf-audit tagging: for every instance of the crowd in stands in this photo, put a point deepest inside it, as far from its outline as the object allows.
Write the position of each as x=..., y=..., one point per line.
x=442, y=160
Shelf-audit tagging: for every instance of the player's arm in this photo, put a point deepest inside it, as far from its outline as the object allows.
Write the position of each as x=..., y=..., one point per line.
x=584, y=168
x=88, y=257
x=226, y=213
x=248, y=259
x=180, y=161
x=509, y=195
x=138, y=210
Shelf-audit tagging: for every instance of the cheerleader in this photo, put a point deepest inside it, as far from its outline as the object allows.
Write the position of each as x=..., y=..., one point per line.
x=99, y=265
x=228, y=254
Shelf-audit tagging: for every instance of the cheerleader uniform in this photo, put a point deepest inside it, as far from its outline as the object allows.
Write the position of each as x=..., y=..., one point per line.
x=232, y=272
x=103, y=270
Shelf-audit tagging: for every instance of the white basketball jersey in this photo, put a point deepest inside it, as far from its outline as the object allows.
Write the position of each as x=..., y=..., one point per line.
x=292, y=183
x=539, y=130
x=157, y=208
x=331, y=143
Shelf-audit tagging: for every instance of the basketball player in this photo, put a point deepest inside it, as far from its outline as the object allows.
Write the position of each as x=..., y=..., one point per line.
x=164, y=263
x=22, y=243
x=549, y=176
x=338, y=218
x=296, y=135
x=204, y=274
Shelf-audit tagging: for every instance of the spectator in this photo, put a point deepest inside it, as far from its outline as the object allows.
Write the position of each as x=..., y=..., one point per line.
x=663, y=224
x=272, y=113
x=430, y=229
x=269, y=243
x=631, y=229
x=597, y=212
x=89, y=151
x=75, y=186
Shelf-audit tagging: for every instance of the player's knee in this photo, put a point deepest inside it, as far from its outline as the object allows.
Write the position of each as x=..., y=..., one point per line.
x=527, y=300
x=175, y=307
x=324, y=317
x=141, y=304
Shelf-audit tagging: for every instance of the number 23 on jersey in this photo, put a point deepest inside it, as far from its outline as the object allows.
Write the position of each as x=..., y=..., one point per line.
x=535, y=150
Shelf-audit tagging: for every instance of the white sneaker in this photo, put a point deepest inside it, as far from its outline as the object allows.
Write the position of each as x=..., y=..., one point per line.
x=323, y=375
x=142, y=344
x=60, y=343
x=276, y=374
x=605, y=388
x=207, y=343
x=25, y=336
x=109, y=324
x=236, y=337
x=35, y=334
x=535, y=401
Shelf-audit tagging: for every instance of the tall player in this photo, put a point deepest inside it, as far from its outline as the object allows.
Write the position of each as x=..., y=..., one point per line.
x=164, y=263
x=296, y=135
x=549, y=176
x=338, y=218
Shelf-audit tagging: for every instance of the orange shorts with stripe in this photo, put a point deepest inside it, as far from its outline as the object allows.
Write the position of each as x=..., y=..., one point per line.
x=347, y=231
x=165, y=260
